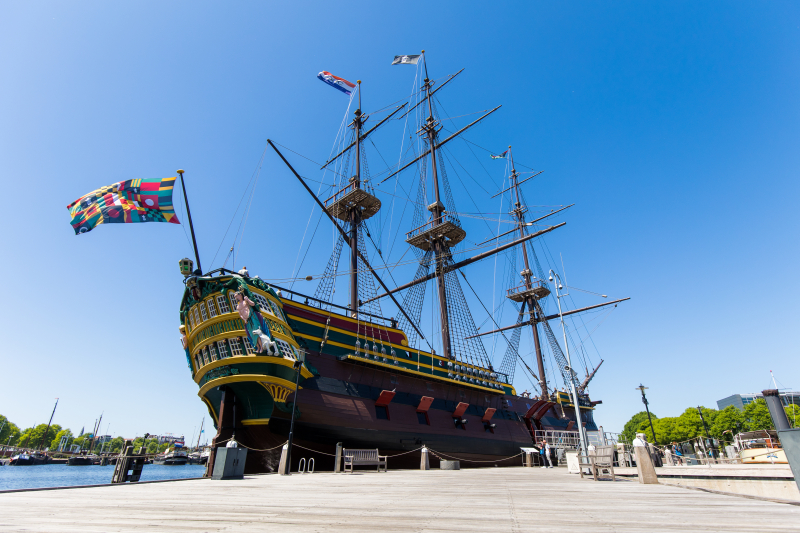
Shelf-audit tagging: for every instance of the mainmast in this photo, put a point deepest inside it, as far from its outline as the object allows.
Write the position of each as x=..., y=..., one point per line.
x=437, y=210
x=532, y=289
x=355, y=213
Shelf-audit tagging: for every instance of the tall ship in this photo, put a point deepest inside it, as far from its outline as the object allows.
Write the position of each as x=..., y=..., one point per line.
x=262, y=354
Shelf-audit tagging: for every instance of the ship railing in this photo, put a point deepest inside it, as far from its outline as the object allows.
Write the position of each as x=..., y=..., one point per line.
x=308, y=299
x=432, y=224
x=338, y=195
x=535, y=284
x=559, y=439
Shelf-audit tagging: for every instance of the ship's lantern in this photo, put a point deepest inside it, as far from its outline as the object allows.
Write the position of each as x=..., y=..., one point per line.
x=187, y=266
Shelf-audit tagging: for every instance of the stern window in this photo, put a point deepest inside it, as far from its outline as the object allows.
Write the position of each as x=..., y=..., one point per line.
x=247, y=346
x=212, y=310
x=236, y=348
x=232, y=297
x=196, y=316
x=222, y=302
x=205, y=355
x=203, y=312
x=223, y=349
x=213, y=352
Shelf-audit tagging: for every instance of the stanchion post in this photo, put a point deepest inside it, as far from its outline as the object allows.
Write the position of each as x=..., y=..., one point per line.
x=424, y=462
x=337, y=468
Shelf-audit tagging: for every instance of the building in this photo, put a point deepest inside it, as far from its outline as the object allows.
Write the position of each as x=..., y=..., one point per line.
x=172, y=440
x=740, y=400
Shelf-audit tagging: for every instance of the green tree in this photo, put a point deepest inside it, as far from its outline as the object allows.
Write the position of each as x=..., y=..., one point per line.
x=57, y=439
x=728, y=423
x=115, y=446
x=162, y=447
x=10, y=432
x=757, y=416
x=31, y=437
x=665, y=429
x=632, y=426
x=793, y=414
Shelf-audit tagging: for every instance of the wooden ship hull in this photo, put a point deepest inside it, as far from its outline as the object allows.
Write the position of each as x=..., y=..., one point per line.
x=388, y=397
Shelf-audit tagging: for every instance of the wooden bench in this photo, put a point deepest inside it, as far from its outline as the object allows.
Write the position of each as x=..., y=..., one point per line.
x=363, y=457
x=600, y=462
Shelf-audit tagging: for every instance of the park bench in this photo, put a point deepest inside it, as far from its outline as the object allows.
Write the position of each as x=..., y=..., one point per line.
x=363, y=457
x=600, y=462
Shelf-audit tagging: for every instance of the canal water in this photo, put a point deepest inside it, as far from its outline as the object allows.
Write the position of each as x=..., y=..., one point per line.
x=40, y=476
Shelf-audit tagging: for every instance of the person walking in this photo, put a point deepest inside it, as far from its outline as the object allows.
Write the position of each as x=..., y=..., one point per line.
x=545, y=452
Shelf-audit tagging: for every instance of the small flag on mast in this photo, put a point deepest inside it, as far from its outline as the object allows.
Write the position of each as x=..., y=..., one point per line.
x=336, y=82
x=124, y=202
x=406, y=60
x=501, y=156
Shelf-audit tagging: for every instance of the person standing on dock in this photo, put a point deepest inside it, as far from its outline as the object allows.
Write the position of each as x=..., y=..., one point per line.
x=545, y=452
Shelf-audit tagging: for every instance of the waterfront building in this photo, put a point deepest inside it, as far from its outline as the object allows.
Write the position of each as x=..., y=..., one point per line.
x=741, y=400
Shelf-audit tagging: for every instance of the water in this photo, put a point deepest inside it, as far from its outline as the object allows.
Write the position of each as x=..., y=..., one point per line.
x=39, y=476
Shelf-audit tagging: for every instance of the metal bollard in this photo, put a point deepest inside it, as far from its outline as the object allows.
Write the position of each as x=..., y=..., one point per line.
x=311, y=466
x=424, y=463
x=337, y=468
x=301, y=466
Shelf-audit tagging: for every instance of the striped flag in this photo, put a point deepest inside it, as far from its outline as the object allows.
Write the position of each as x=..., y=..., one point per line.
x=501, y=156
x=336, y=82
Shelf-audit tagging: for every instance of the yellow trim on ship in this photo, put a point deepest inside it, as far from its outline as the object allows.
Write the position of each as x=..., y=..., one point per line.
x=255, y=421
x=250, y=359
x=243, y=377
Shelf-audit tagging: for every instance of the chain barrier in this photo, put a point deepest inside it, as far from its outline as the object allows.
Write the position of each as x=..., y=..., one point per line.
x=437, y=454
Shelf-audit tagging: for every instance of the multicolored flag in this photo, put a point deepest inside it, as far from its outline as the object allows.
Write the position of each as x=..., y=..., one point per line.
x=125, y=202
x=501, y=156
x=336, y=82
x=406, y=60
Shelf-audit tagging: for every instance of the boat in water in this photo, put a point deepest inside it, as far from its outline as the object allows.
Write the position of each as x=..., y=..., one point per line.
x=172, y=457
x=263, y=355
x=29, y=459
x=83, y=459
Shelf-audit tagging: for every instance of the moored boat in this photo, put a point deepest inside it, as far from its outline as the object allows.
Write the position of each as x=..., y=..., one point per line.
x=172, y=457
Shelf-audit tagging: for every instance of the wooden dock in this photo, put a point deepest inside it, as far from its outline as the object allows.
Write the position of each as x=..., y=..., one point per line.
x=492, y=499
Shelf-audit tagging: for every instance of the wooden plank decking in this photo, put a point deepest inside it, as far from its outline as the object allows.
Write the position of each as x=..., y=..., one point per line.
x=492, y=499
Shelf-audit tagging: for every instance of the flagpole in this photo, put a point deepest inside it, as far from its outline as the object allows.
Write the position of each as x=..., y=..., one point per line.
x=191, y=226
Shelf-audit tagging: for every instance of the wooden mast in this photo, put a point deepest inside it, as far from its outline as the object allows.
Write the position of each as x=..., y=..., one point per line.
x=355, y=214
x=519, y=213
x=437, y=209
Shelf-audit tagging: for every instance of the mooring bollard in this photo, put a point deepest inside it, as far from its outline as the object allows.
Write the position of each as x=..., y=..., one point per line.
x=283, y=468
x=424, y=463
x=644, y=466
x=337, y=468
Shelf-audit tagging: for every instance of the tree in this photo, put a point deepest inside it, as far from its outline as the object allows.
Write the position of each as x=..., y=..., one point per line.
x=57, y=440
x=115, y=446
x=31, y=437
x=793, y=414
x=163, y=447
x=728, y=423
x=632, y=426
x=10, y=431
x=757, y=416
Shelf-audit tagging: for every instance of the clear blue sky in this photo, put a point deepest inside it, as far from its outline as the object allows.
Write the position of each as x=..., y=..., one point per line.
x=673, y=126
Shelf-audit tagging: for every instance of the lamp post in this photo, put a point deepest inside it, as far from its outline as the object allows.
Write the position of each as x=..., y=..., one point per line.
x=298, y=365
x=573, y=391
x=642, y=388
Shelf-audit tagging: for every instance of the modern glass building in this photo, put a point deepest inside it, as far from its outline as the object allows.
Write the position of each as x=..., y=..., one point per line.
x=740, y=400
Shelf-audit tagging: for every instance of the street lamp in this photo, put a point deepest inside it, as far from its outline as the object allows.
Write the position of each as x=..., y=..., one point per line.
x=642, y=388
x=298, y=365
x=573, y=390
